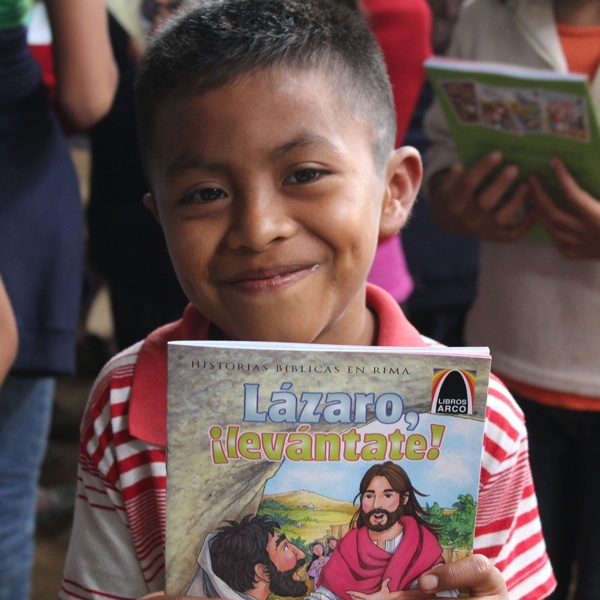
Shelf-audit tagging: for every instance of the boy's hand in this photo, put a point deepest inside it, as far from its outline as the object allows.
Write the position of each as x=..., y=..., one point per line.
x=460, y=207
x=474, y=572
x=575, y=229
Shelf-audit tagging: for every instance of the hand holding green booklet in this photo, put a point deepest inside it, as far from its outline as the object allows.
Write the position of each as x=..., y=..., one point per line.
x=530, y=115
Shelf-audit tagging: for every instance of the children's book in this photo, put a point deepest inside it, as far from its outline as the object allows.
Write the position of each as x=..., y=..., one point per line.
x=314, y=470
x=531, y=115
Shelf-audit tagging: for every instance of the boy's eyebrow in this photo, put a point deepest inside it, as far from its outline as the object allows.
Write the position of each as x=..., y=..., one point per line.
x=188, y=163
x=303, y=140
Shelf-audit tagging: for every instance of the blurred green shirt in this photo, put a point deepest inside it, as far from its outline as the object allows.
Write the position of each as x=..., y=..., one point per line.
x=13, y=13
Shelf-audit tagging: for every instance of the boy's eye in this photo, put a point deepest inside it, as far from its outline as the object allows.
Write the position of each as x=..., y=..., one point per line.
x=204, y=195
x=304, y=176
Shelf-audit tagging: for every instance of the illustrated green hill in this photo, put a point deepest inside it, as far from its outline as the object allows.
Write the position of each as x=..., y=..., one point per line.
x=307, y=516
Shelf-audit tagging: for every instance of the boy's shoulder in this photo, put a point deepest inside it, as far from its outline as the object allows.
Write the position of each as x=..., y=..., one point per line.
x=136, y=379
x=503, y=412
x=505, y=444
x=117, y=373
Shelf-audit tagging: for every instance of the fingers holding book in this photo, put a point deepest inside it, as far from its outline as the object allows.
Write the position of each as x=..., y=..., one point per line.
x=482, y=201
x=573, y=226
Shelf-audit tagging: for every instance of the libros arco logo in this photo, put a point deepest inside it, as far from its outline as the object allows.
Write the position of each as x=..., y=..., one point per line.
x=453, y=391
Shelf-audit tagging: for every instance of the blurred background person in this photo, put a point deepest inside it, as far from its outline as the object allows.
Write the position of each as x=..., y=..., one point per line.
x=537, y=301
x=41, y=251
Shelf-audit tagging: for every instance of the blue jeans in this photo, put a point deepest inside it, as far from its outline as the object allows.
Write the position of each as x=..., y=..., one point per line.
x=564, y=448
x=25, y=411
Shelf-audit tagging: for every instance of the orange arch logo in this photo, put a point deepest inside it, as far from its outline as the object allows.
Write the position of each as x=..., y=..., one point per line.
x=453, y=391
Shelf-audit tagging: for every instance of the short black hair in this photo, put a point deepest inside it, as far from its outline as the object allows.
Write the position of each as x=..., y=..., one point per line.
x=211, y=43
x=238, y=547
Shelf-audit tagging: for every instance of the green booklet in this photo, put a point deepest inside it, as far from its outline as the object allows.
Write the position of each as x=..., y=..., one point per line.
x=529, y=114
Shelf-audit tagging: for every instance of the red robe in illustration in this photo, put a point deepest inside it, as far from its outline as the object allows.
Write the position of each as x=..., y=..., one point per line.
x=359, y=565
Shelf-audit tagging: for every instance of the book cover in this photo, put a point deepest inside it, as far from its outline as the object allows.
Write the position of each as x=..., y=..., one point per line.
x=529, y=114
x=300, y=469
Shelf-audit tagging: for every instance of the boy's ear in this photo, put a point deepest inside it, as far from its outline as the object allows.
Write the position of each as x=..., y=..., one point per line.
x=403, y=174
x=150, y=204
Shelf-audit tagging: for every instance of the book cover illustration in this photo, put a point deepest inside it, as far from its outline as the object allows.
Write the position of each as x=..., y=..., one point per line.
x=566, y=115
x=495, y=109
x=530, y=115
x=297, y=471
x=526, y=107
x=462, y=96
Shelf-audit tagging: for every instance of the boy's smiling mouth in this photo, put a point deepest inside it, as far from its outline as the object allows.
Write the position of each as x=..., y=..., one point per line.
x=271, y=279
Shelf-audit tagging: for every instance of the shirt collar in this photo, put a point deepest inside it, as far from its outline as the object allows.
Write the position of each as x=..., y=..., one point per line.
x=148, y=398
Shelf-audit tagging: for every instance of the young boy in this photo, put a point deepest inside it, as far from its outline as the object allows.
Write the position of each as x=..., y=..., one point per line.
x=267, y=131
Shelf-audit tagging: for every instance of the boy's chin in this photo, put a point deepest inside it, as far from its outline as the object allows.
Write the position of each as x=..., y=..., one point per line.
x=290, y=331
x=279, y=335
x=278, y=318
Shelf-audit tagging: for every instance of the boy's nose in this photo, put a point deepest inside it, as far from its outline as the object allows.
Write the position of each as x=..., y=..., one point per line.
x=257, y=220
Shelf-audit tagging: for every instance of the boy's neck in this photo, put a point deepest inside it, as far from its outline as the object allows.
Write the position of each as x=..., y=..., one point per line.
x=578, y=13
x=368, y=337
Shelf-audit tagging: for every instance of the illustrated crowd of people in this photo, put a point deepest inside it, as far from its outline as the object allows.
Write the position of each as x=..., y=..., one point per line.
x=254, y=166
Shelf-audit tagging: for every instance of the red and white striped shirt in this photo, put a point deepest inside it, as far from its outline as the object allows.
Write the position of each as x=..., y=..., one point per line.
x=117, y=542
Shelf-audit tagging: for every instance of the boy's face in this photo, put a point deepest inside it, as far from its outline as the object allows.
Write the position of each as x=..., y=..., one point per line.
x=272, y=206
